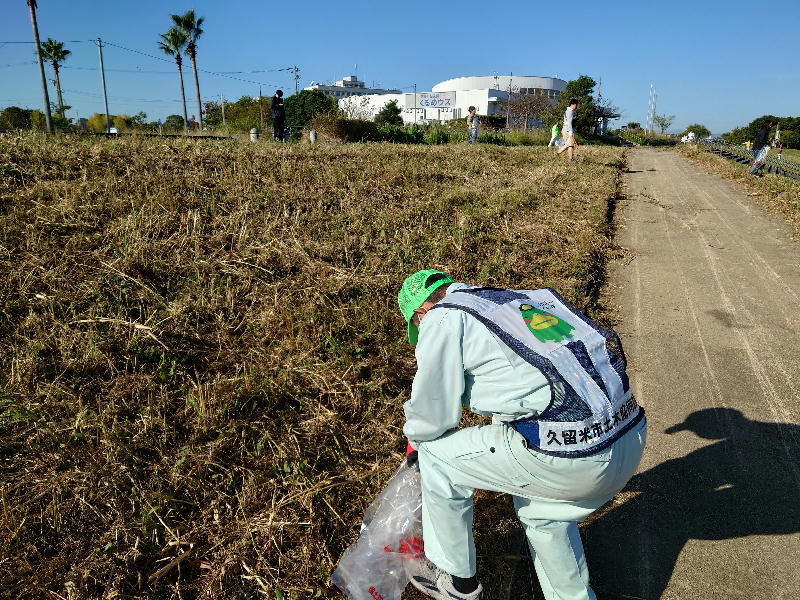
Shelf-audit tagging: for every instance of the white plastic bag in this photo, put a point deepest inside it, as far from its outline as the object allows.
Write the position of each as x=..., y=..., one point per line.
x=761, y=157
x=375, y=567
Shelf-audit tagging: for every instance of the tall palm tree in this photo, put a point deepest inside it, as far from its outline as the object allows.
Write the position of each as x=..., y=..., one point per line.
x=55, y=53
x=189, y=24
x=174, y=43
x=35, y=25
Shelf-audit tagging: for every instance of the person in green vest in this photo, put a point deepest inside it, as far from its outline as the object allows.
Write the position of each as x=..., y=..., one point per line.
x=554, y=132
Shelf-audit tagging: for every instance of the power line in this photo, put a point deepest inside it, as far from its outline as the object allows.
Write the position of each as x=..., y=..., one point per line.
x=219, y=74
x=27, y=62
x=118, y=70
x=65, y=42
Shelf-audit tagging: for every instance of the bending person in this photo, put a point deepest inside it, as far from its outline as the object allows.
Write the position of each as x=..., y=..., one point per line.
x=566, y=433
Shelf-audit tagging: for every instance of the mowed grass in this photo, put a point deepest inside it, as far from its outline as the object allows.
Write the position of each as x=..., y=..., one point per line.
x=790, y=154
x=775, y=193
x=203, y=363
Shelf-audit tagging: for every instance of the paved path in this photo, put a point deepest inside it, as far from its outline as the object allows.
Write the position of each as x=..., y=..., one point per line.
x=710, y=301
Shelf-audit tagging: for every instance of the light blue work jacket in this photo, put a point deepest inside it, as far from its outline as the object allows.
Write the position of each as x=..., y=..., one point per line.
x=460, y=363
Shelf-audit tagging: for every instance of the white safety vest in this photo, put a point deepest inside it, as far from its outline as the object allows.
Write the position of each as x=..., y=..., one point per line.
x=591, y=404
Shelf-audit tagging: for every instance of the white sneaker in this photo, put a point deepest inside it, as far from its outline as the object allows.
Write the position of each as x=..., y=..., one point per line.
x=433, y=582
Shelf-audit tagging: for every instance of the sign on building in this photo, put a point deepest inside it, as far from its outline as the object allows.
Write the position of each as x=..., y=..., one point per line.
x=433, y=99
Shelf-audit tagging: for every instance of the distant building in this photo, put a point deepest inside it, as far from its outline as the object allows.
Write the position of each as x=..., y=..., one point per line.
x=348, y=86
x=450, y=99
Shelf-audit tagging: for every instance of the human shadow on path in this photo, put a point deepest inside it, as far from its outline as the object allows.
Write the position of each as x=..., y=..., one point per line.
x=747, y=483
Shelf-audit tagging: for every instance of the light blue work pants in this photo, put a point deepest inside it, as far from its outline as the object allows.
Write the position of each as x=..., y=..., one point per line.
x=551, y=495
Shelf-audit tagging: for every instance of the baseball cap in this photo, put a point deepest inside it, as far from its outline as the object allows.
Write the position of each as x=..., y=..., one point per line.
x=415, y=290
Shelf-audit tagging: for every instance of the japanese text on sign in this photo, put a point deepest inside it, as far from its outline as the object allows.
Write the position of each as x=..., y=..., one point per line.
x=436, y=100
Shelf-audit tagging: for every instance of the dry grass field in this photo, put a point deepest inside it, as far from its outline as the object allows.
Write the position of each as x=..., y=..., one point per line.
x=774, y=193
x=203, y=363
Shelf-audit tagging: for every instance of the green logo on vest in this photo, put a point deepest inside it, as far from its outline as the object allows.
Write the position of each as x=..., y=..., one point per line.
x=546, y=327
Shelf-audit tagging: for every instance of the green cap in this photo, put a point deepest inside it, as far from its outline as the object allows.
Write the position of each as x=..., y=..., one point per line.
x=416, y=289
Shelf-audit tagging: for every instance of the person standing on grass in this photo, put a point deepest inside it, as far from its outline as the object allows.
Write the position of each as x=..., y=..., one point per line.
x=554, y=131
x=568, y=131
x=566, y=433
x=278, y=115
x=759, y=143
x=473, y=125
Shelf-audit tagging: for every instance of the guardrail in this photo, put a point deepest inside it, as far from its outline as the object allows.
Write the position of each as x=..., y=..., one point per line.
x=743, y=155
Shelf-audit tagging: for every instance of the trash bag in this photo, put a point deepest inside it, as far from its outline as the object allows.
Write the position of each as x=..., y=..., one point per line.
x=761, y=157
x=559, y=142
x=376, y=566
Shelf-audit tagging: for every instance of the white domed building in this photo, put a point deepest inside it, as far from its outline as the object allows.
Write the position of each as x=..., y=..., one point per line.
x=450, y=99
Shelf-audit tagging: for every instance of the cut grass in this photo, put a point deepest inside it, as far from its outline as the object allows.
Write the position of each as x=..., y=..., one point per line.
x=204, y=364
x=775, y=193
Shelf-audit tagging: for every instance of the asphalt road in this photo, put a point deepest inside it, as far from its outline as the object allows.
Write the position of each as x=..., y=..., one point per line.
x=710, y=306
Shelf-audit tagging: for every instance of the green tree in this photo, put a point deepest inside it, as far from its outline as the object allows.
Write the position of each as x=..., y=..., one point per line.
x=97, y=122
x=580, y=89
x=15, y=117
x=699, y=130
x=302, y=107
x=174, y=123
x=55, y=53
x=242, y=115
x=663, y=121
x=189, y=24
x=173, y=43
x=633, y=125
x=390, y=114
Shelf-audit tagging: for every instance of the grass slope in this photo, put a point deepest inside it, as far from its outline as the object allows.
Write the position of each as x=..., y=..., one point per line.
x=204, y=367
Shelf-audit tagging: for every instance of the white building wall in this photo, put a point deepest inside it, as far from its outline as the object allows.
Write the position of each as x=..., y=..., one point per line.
x=459, y=93
x=486, y=102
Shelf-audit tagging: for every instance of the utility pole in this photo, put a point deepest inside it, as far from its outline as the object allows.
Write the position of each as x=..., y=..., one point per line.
x=508, y=102
x=260, y=108
x=415, y=104
x=222, y=103
x=296, y=71
x=35, y=26
x=103, y=80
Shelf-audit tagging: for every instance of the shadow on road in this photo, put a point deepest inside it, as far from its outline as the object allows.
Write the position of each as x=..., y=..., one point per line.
x=746, y=483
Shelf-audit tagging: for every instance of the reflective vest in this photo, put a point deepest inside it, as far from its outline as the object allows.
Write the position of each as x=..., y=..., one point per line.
x=591, y=404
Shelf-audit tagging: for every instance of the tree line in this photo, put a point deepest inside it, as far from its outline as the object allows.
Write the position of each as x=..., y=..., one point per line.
x=179, y=40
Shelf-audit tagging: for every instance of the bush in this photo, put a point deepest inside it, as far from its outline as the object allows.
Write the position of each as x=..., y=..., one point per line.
x=436, y=135
x=538, y=137
x=345, y=130
x=397, y=134
x=493, y=138
x=303, y=107
x=492, y=122
x=699, y=130
x=15, y=117
x=390, y=114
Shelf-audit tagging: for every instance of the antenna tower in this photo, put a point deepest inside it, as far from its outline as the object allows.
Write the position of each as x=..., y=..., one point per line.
x=651, y=109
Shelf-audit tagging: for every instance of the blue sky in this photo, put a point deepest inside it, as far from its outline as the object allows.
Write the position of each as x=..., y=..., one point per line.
x=720, y=63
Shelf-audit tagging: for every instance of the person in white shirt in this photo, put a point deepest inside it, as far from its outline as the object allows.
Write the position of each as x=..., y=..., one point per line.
x=568, y=131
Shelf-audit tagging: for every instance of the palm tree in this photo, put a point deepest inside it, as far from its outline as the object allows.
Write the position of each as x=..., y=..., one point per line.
x=35, y=25
x=174, y=43
x=54, y=52
x=189, y=24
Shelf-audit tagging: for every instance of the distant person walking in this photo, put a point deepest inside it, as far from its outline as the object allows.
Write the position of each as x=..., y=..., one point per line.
x=568, y=131
x=278, y=115
x=554, y=131
x=759, y=143
x=473, y=125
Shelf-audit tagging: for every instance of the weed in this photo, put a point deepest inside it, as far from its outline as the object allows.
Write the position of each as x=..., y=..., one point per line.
x=205, y=363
